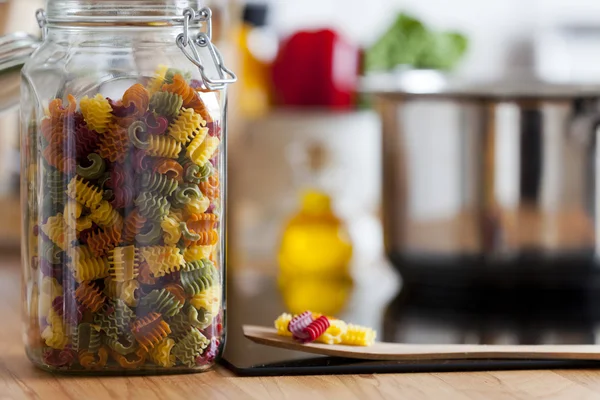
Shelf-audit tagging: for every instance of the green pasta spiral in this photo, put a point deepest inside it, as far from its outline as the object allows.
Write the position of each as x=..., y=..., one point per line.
x=161, y=301
x=200, y=319
x=152, y=206
x=151, y=236
x=171, y=72
x=86, y=337
x=196, y=173
x=50, y=252
x=166, y=104
x=190, y=347
x=180, y=323
x=116, y=320
x=198, y=276
x=124, y=345
x=55, y=184
x=153, y=182
x=185, y=194
x=95, y=170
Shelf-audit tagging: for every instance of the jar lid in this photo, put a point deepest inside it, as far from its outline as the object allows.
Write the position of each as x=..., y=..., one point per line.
x=15, y=49
x=108, y=11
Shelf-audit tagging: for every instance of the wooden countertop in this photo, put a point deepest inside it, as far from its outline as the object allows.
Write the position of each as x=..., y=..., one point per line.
x=19, y=379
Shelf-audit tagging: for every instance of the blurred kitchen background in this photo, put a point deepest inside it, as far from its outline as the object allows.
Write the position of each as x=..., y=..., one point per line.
x=305, y=134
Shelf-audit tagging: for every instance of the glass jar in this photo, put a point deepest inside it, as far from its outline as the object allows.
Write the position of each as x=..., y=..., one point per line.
x=123, y=112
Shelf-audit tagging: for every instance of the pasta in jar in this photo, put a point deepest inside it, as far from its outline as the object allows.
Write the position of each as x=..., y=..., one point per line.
x=125, y=258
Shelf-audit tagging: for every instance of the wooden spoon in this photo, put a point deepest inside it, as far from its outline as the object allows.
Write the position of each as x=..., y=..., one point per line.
x=411, y=352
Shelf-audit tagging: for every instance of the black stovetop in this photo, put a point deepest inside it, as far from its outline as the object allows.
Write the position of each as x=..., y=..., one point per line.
x=416, y=314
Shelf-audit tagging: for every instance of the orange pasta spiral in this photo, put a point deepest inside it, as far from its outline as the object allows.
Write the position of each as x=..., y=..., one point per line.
x=93, y=361
x=90, y=296
x=210, y=188
x=189, y=95
x=133, y=225
x=113, y=145
x=145, y=275
x=139, y=97
x=176, y=290
x=57, y=110
x=103, y=241
x=202, y=222
x=56, y=158
x=150, y=330
x=206, y=239
x=133, y=361
x=171, y=168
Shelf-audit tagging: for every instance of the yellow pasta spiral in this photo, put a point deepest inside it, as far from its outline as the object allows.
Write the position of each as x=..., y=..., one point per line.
x=281, y=324
x=163, y=146
x=197, y=253
x=171, y=229
x=96, y=112
x=57, y=230
x=85, y=193
x=359, y=336
x=186, y=126
x=73, y=218
x=161, y=353
x=89, y=269
x=158, y=80
x=106, y=216
x=208, y=300
x=54, y=335
x=126, y=291
x=124, y=263
x=197, y=206
x=333, y=335
x=162, y=260
x=196, y=147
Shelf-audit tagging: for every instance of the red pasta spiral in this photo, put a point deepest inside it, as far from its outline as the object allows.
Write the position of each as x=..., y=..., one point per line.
x=86, y=140
x=141, y=161
x=316, y=329
x=56, y=158
x=69, y=310
x=101, y=242
x=299, y=323
x=121, y=183
x=58, y=358
x=114, y=144
x=132, y=226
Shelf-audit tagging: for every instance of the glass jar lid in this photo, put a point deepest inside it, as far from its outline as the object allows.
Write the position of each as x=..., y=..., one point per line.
x=115, y=11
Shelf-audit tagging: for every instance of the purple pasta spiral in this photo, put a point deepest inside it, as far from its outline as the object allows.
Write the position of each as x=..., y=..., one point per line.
x=86, y=140
x=70, y=311
x=119, y=110
x=59, y=358
x=157, y=125
x=51, y=270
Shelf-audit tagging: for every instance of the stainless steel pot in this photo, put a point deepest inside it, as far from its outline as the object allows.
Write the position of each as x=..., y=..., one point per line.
x=491, y=184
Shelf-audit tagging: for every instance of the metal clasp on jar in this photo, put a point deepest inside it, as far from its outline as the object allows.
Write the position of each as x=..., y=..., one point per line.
x=203, y=40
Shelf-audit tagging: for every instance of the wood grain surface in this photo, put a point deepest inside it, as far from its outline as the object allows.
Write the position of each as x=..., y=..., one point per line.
x=20, y=380
x=409, y=352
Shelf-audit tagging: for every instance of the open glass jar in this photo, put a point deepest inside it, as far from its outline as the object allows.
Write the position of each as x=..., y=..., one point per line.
x=123, y=138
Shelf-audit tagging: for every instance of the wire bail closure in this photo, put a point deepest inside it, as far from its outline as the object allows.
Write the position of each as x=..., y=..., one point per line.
x=203, y=40
x=42, y=20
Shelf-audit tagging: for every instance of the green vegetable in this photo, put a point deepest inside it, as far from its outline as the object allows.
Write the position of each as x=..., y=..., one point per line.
x=409, y=42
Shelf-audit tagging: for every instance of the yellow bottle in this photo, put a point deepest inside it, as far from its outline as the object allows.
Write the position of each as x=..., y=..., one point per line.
x=314, y=258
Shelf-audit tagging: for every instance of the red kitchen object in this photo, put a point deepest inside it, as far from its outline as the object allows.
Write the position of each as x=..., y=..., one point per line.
x=316, y=68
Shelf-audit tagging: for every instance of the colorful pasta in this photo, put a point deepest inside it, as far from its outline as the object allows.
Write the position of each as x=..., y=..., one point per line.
x=127, y=242
x=190, y=347
x=166, y=104
x=186, y=126
x=97, y=112
x=161, y=353
x=150, y=330
x=85, y=193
